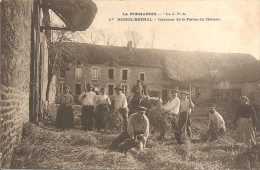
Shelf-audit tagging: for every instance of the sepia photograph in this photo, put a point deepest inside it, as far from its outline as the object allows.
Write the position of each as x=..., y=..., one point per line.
x=130, y=84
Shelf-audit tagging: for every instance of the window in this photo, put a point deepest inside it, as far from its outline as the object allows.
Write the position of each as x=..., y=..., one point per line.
x=62, y=74
x=110, y=73
x=124, y=87
x=142, y=76
x=124, y=74
x=77, y=89
x=110, y=89
x=78, y=73
x=95, y=73
x=61, y=87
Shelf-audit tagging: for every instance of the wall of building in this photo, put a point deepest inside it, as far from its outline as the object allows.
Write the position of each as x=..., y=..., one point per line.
x=23, y=45
x=15, y=73
x=249, y=89
x=154, y=79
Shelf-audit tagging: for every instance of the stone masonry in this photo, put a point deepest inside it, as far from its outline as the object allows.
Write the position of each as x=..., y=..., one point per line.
x=154, y=77
x=16, y=18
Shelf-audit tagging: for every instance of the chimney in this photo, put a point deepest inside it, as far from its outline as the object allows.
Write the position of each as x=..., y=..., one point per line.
x=130, y=46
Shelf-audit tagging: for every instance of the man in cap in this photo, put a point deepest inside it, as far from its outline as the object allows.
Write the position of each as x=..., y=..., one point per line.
x=172, y=108
x=185, y=109
x=88, y=101
x=216, y=125
x=138, y=93
x=137, y=131
x=121, y=104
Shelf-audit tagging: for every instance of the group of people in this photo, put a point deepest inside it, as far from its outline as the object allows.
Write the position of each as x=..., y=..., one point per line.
x=138, y=123
x=136, y=126
x=94, y=108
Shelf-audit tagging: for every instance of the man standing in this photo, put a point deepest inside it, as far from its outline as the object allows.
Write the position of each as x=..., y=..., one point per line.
x=88, y=101
x=172, y=108
x=137, y=131
x=121, y=104
x=216, y=126
x=185, y=108
x=138, y=93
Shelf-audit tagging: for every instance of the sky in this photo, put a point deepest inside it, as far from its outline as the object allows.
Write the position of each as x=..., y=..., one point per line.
x=236, y=29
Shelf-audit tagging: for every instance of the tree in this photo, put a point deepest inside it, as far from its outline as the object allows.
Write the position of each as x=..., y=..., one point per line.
x=108, y=36
x=61, y=53
x=133, y=36
x=93, y=34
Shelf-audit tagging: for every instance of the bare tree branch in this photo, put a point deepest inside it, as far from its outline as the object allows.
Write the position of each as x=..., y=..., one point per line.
x=108, y=37
x=133, y=36
x=93, y=34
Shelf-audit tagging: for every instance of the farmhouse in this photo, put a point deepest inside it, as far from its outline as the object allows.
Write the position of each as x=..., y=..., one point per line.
x=231, y=82
x=160, y=70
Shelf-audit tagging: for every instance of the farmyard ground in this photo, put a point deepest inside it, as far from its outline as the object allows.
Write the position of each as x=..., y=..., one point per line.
x=44, y=148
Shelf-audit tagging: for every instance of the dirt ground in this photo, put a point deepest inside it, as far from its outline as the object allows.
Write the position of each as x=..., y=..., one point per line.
x=44, y=148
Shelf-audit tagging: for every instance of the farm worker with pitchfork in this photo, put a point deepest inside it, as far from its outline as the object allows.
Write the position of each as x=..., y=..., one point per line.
x=172, y=108
x=184, y=122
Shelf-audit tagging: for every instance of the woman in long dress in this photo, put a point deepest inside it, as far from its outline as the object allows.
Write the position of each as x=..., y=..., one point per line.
x=102, y=103
x=245, y=123
x=65, y=116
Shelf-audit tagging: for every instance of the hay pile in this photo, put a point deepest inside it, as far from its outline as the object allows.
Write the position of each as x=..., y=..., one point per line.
x=75, y=149
x=159, y=121
x=114, y=122
x=44, y=149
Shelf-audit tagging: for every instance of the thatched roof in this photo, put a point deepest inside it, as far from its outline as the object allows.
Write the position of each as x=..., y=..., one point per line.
x=187, y=66
x=239, y=73
x=98, y=54
x=178, y=65
x=78, y=15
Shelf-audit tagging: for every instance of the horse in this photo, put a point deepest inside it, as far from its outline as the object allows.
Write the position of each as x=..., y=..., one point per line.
x=146, y=101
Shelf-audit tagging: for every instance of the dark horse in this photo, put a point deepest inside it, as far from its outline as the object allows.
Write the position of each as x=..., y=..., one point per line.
x=148, y=102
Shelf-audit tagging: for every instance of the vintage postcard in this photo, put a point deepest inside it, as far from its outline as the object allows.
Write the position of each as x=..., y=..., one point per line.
x=130, y=84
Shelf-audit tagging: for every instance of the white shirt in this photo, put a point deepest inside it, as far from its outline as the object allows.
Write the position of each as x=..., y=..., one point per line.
x=89, y=99
x=120, y=101
x=102, y=99
x=138, y=124
x=216, y=120
x=186, y=105
x=172, y=106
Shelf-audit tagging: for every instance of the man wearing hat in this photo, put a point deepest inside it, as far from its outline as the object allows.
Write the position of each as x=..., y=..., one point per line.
x=138, y=93
x=88, y=101
x=137, y=131
x=216, y=125
x=172, y=108
x=185, y=108
x=121, y=104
